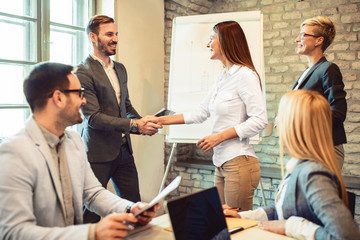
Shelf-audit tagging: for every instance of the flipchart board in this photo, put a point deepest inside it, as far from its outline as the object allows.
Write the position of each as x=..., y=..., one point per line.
x=192, y=72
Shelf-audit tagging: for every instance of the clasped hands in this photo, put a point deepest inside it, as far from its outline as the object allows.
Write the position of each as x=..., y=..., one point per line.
x=152, y=124
x=148, y=125
x=117, y=225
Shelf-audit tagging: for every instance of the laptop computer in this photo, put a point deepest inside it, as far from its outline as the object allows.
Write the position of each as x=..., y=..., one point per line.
x=198, y=216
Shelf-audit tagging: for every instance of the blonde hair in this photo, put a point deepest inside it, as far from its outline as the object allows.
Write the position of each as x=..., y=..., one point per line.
x=305, y=130
x=325, y=28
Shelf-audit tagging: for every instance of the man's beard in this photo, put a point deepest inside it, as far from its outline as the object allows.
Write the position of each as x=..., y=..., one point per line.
x=70, y=117
x=102, y=47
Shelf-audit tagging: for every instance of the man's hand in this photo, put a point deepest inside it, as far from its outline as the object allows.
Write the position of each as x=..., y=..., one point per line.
x=146, y=216
x=276, y=226
x=114, y=226
x=148, y=125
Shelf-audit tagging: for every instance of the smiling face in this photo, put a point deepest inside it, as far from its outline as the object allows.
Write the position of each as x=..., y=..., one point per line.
x=215, y=48
x=71, y=115
x=106, y=41
x=308, y=44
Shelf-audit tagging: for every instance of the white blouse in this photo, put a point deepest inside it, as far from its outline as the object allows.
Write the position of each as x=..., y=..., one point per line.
x=236, y=100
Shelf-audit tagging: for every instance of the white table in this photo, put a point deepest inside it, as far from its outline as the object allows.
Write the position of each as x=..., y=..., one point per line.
x=156, y=231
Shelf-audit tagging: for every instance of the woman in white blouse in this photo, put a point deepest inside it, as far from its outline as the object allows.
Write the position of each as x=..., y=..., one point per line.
x=311, y=202
x=237, y=108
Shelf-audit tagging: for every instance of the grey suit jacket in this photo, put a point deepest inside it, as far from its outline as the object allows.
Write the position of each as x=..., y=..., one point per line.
x=31, y=203
x=313, y=192
x=105, y=120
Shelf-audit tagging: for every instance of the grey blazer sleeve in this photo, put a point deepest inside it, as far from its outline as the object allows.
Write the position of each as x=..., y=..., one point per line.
x=322, y=195
x=91, y=194
x=29, y=203
x=271, y=213
x=21, y=214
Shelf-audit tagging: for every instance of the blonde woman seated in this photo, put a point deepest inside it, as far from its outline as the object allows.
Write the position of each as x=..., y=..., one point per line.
x=311, y=202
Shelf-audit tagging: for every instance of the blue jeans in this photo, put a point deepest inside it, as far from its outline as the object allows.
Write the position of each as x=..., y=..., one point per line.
x=237, y=180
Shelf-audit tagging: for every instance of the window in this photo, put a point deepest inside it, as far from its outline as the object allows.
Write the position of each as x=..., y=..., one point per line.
x=33, y=35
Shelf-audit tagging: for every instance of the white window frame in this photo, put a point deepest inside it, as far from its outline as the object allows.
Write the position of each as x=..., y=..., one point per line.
x=42, y=41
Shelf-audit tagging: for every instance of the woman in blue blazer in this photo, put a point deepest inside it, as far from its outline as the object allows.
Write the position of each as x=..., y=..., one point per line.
x=315, y=37
x=311, y=202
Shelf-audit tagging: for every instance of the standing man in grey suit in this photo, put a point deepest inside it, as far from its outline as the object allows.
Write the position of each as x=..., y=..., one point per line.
x=315, y=37
x=109, y=114
x=45, y=178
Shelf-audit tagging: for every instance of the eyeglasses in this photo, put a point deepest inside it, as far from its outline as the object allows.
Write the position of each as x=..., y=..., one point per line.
x=80, y=91
x=302, y=35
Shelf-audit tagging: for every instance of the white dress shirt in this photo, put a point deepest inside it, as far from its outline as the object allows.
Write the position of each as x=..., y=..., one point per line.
x=111, y=74
x=301, y=79
x=236, y=101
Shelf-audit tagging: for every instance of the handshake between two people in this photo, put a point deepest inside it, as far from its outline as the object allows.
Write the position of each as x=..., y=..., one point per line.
x=148, y=125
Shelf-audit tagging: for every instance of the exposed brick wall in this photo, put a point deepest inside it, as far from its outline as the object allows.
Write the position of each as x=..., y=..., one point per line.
x=283, y=66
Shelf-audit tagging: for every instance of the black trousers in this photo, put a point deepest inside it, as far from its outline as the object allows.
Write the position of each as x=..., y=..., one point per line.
x=124, y=177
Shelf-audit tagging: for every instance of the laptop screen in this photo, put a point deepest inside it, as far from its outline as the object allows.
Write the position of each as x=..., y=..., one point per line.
x=198, y=216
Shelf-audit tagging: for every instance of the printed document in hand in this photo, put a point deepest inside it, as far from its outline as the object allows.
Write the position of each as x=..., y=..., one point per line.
x=171, y=187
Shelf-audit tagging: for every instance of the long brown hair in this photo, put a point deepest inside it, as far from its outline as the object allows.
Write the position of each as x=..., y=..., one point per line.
x=234, y=45
x=305, y=130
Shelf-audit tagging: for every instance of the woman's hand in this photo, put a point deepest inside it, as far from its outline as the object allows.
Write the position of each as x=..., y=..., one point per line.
x=230, y=212
x=209, y=142
x=276, y=226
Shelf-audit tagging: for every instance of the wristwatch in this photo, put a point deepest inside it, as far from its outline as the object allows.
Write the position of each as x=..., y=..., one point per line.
x=133, y=126
x=128, y=208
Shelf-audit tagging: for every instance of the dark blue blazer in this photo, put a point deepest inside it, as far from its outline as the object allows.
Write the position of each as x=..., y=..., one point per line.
x=325, y=77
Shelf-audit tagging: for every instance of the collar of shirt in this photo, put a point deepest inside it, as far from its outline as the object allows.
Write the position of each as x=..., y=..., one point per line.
x=232, y=70
x=290, y=165
x=301, y=79
x=51, y=139
x=111, y=65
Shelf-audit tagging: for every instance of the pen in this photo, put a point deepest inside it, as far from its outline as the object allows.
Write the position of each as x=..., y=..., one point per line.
x=235, y=230
x=125, y=222
x=234, y=209
x=128, y=224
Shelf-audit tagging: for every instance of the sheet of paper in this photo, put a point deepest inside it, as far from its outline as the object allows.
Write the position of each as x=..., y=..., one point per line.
x=169, y=188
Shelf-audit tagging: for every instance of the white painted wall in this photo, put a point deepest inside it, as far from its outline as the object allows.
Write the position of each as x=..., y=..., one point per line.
x=140, y=24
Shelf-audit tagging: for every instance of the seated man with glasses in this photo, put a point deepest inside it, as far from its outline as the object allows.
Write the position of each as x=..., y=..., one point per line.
x=45, y=177
x=80, y=91
x=322, y=76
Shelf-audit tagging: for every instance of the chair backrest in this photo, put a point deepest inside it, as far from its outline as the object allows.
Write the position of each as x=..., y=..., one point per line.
x=351, y=198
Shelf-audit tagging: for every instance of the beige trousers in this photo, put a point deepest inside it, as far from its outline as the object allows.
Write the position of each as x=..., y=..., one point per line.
x=236, y=181
x=339, y=151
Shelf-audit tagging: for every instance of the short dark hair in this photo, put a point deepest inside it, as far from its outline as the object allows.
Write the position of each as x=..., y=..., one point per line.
x=43, y=80
x=95, y=21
